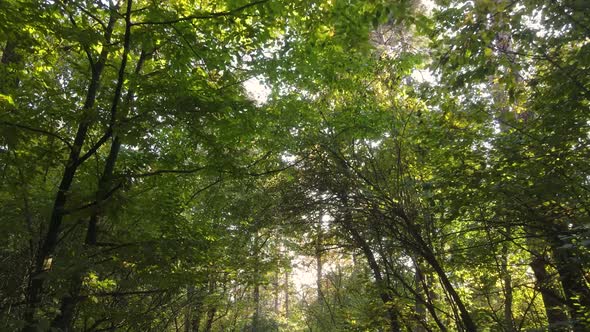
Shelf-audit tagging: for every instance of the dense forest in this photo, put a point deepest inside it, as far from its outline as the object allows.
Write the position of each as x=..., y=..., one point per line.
x=295, y=165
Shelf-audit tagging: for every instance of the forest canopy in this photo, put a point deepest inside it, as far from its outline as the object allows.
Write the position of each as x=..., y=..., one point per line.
x=300, y=165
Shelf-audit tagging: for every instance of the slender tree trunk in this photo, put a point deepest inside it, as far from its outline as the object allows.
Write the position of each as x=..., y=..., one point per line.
x=318, y=259
x=507, y=283
x=420, y=294
x=571, y=278
x=256, y=315
x=256, y=290
x=386, y=298
x=553, y=302
x=10, y=56
x=195, y=323
x=571, y=274
x=212, y=311
x=45, y=252
x=63, y=321
x=44, y=255
x=287, y=313
x=576, y=290
x=468, y=323
x=425, y=251
x=431, y=296
x=188, y=315
x=573, y=281
x=276, y=291
x=192, y=319
x=68, y=304
x=210, y=318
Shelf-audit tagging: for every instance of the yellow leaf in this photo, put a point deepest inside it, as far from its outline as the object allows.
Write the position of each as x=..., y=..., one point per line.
x=6, y=99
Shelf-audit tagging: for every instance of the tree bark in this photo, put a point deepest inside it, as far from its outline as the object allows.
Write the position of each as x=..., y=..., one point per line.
x=287, y=294
x=256, y=315
x=256, y=290
x=10, y=56
x=210, y=318
x=426, y=252
x=188, y=315
x=507, y=285
x=318, y=260
x=276, y=291
x=553, y=302
x=69, y=303
x=386, y=298
x=43, y=256
x=573, y=282
x=420, y=294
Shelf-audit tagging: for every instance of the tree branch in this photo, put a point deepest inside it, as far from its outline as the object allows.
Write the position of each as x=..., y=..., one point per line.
x=204, y=15
x=36, y=130
x=167, y=171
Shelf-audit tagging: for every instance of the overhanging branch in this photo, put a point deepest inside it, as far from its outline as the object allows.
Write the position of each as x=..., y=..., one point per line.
x=37, y=130
x=204, y=15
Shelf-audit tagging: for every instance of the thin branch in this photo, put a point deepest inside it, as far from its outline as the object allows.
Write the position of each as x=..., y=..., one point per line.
x=167, y=171
x=204, y=16
x=94, y=17
x=277, y=170
x=155, y=291
x=118, y=88
x=96, y=146
x=37, y=130
x=91, y=204
x=196, y=193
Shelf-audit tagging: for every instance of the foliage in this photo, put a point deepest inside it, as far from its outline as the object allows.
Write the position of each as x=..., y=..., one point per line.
x=431, y=160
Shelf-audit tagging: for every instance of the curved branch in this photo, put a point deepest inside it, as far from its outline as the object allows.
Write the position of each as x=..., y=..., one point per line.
x=204, y=15
x=37, y=130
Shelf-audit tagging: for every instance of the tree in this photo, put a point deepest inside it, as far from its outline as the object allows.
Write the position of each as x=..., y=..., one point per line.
x=431, y=160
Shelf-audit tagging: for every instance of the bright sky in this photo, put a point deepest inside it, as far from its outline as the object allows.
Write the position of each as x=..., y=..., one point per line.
x=257, y=90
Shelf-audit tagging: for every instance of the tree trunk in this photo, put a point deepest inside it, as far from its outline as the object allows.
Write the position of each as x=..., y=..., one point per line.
x=276, y=291
x=374, y=266
x=507, y=283
x=213, y=308
x=63, y=321
x=573, y=282
x=318, y=260
x=420, y=294
x=256, y=315
x=286, y=294
x=192, y=319
x=44, y=254
x=210, y=318
x=68, y=304
x=9, y=56
x=188, y=315
x=425, y=251
x=553, y=302
x=431, y=296
x=256, y=291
